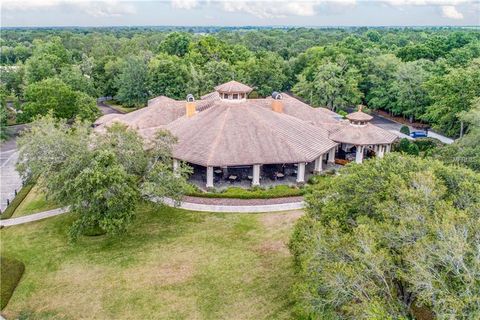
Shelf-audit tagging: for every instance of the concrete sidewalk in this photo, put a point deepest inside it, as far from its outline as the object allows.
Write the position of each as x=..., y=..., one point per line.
x=10, y=180
x=33, y=217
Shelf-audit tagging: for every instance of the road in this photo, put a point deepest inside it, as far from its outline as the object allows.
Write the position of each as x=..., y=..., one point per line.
x=393, y=126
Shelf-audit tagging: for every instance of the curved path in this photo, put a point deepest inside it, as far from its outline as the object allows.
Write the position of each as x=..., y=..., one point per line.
x=193, y=204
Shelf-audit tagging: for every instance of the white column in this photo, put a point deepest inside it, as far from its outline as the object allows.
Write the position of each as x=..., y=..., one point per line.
x=389, y=147
x=301, y=172
x=381, y=149
x=318, y=165
x=256, y=175
x=331, y=155
x=209, y=177
x=359, y=154
x=176, y=166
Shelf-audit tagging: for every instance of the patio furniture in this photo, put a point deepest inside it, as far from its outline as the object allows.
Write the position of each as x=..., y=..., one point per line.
x=232, y=178
x=279, y=175
x=218, y=171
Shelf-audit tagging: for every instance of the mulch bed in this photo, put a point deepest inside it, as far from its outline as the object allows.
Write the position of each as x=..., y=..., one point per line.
x=241, y=202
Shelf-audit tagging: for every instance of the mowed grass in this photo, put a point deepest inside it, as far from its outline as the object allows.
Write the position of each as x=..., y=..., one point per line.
x=34, y=202
x=172, y=264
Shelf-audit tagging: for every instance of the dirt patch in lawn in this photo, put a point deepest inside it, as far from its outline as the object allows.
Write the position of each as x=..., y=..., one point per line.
x=281, y=219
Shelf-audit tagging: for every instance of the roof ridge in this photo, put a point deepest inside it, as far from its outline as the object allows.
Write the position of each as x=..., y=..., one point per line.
x=217, y=138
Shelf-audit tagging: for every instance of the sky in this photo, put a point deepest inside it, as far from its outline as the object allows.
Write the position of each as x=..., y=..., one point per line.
x=43, y=13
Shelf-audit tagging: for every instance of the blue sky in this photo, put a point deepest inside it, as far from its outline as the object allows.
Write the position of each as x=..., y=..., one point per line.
x=241, y=12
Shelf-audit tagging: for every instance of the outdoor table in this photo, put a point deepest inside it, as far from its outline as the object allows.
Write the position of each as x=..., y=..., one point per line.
x=232, y=177
x=250, y=178
x=279, y=175
x=218, y=171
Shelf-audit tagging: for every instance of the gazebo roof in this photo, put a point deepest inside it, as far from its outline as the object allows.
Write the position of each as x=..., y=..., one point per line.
x=233, y=87
x=244, y=134
x=359, y=116
x=367, y=134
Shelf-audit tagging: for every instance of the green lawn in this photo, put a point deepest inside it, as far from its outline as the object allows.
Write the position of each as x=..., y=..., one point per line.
x=173, y=264
x=34, y=202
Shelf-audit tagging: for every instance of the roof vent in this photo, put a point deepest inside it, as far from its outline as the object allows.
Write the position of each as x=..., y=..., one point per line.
x=190, y=98
x=276, y=95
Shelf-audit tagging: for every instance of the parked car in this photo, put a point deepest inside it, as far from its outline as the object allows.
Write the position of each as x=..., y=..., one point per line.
x=418, y=134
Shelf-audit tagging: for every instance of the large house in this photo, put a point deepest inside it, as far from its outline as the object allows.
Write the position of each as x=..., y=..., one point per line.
x=225, y=129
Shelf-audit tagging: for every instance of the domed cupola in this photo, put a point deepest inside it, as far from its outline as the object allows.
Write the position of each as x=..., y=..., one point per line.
x=359, y=118
x=233, y=91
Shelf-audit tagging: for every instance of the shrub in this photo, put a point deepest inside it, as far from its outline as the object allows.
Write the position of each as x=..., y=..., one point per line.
x=11, y=271
x=342, y=113
x=427, y=144
x=405, y=130
x=413, y=149
x=253, y=193
x=16, y=201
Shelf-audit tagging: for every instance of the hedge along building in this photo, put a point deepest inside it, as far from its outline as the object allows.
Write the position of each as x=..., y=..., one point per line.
x=225, y=130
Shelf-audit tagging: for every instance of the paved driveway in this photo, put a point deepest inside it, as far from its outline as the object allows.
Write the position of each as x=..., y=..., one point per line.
x=9, y=178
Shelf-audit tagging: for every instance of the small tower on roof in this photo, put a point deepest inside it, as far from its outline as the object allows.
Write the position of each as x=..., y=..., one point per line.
x=233, y=91
x=359, y=117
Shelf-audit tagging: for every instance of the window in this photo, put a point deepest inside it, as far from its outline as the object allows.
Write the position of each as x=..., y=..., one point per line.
x=235, y=96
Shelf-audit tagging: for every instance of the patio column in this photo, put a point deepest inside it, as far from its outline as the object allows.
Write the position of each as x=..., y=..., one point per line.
x=331, y=155
x=381, y=149
x=209, y=177
x=318, y=165
x=389, y=147
x=301, y=172
x=359, y=154
x=176, y=166
x=256, y=175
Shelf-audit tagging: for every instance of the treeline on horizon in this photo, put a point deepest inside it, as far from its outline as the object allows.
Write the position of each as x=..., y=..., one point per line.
x=427, y=74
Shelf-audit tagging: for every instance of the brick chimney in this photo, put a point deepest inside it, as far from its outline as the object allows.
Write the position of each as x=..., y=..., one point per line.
x=190, y=106
x=277, y=104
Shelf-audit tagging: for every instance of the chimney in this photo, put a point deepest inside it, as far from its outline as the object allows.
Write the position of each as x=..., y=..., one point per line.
x=190, y=106
x=277, y=104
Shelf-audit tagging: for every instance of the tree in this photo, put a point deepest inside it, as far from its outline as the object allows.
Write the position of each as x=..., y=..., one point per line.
x=102, y=177
x=408, y=88
x=73, y=77
x=334, y=85
x=380, y=74
x=176, y=43
x=452, y=94
x=132, y=82
x=466, y=150
x=168, y=76
x=388, y=234
x=268, y=73
x=53, y=95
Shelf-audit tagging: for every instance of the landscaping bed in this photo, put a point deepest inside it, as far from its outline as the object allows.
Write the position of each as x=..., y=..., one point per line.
x=21, y=195
x=253, y=193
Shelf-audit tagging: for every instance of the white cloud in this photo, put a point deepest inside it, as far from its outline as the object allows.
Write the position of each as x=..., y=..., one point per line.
x=267, y=8
x=451, y=12
x=185, y=4
x=104, y=8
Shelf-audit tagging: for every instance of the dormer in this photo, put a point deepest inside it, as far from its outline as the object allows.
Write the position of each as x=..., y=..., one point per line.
x=233, y=91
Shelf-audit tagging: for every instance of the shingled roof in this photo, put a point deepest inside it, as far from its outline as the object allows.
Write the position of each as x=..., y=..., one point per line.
x=233, y=87
x=366, y=134
x=244, y=134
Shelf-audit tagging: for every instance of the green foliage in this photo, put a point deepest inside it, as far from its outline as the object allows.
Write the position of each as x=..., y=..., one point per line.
x=168, y=76
x=451, y=94
x=176, y=43
x=132, y=82
x=466, y=150
x=53, y=95
x=280, y=191
x=11, y=271
x=21, y=195
x=405, y=130
x=333, y=84
x=101, y=177
x=381, y=235
x=3, y=119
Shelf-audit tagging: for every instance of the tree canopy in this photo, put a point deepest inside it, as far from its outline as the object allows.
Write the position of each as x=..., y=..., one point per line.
x=389, y=237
